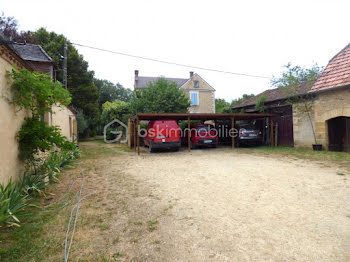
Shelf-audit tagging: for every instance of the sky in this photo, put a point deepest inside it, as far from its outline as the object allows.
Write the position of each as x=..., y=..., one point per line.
x=249, y=37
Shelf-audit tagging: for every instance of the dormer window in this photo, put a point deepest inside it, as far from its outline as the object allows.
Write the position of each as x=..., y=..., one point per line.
x=196, y=84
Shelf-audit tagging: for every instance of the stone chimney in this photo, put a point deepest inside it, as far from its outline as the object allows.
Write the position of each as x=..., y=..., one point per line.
x=136, y=74
x=191, y=74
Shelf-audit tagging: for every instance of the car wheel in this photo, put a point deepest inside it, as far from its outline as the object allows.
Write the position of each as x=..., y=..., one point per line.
x=214, y=146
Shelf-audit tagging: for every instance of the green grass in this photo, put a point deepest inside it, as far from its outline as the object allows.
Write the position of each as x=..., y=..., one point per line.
x=26, y=242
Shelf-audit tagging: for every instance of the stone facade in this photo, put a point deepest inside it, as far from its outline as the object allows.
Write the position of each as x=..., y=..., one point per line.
x=326, y=105
x=206, y=95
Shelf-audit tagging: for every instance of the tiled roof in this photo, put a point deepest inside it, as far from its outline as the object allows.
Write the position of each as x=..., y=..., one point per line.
x=337, y=72
x=143, y=81
x=31, y=52
x=275, y=94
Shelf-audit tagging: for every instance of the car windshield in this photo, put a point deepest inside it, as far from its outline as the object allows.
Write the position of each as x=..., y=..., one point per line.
x=203, y=128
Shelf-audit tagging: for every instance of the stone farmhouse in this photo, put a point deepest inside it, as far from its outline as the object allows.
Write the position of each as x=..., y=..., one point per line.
x=201, y=94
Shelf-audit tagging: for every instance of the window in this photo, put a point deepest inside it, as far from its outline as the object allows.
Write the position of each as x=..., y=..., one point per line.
x=194, y=98
x=196, y=84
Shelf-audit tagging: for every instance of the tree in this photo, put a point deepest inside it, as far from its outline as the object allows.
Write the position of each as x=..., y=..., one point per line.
x=110, y=92
x=293, y=76
x=160, y=97
x=221, y=106
x=85, y=95
x=115, y=110
x=241, y=99
x=289, y=82
x=9, y=27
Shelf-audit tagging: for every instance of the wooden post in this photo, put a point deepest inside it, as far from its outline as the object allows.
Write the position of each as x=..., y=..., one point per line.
x=189, y=133
x=138, y=136
x=134, y=133
x=271, y=130
x=232, y=131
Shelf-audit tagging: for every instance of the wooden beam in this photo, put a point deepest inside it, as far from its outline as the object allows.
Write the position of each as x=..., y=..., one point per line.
x=271, y=132
x=138, y=137
x=188, y=133
x=134, y=133
x=232, y=131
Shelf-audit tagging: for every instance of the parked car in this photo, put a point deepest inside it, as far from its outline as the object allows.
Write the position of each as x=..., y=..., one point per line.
x=248, y=133
x=162, y=134
x=202, y=135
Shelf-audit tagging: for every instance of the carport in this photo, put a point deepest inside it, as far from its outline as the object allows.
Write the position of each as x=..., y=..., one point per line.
x=134, y=123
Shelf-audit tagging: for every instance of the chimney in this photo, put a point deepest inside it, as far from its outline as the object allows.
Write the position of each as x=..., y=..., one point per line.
x=136, y=74
x=191, y=74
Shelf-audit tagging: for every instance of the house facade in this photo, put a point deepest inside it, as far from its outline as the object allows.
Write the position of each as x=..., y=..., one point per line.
x=327, y=122
x=11, y=120
x=200, y=93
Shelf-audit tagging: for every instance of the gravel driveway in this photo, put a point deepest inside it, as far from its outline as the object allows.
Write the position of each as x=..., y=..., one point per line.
x=229, y=206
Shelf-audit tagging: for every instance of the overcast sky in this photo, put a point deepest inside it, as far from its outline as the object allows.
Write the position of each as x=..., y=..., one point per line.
x=251, y=37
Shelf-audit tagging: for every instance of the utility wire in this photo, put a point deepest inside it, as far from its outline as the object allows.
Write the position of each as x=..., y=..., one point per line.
x=170, y=63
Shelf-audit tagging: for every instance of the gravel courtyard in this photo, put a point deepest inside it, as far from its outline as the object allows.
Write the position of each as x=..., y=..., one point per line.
x=204, y=205
x=240, y=207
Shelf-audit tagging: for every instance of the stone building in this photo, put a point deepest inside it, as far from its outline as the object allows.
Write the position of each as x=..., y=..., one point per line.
x=10, y=120
x=327, y=119
x=200, y=93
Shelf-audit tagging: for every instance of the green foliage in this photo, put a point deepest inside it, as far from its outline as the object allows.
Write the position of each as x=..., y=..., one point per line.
x=81, y=121
x=295, y=75
x=37, y=92
x=110, y=92
x=12, y=205
x=241, y=99
x=35, y=136
x=160, y=97
x=221, y=106
x=15, y=197
x=115, y=110
x=260, y=103
x=80, y=80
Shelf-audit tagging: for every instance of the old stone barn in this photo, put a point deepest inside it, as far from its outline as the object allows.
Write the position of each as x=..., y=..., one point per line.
x=326, y=122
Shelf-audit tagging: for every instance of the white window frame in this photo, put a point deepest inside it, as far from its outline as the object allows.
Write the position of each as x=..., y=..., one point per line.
x=197, y=93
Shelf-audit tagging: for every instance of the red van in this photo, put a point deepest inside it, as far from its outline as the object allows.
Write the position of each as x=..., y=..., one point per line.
x=202, y=135
x=163, y=134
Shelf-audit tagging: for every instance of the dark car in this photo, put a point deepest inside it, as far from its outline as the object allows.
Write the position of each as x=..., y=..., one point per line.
x=248, y=134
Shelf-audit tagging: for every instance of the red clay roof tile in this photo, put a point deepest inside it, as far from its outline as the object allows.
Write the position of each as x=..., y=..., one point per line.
x=337, y=72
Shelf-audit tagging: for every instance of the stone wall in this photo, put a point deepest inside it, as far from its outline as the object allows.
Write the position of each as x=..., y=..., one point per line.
x=10, y=123
x=206, y=95
x=65, y=119
x=327, y=105
x=303, y=125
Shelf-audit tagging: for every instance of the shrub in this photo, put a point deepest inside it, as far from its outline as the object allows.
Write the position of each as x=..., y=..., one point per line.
x=12, y=204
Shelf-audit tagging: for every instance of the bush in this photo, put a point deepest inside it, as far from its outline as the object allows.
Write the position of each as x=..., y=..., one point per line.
x=12, y=204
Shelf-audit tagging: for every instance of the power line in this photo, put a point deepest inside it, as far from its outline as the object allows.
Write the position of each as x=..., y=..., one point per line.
x=170, y=63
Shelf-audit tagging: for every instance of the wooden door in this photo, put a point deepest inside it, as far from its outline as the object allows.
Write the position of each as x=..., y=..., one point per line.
x=347, y=130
